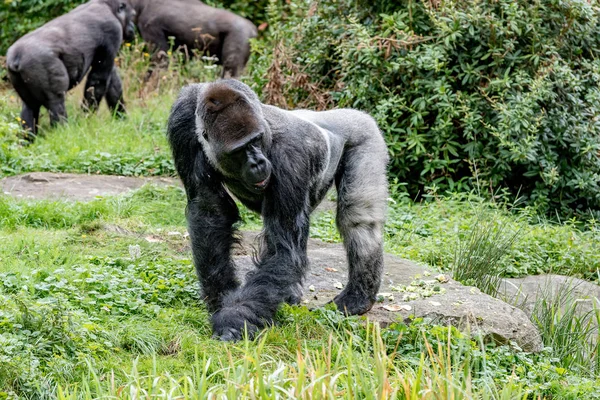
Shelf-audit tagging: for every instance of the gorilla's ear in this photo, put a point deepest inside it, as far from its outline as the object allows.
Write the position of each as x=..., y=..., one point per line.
x=220, y=96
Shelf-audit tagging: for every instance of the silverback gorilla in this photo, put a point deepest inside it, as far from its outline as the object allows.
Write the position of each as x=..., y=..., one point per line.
x=44, y=64
x=197, y=26
x=281, y=164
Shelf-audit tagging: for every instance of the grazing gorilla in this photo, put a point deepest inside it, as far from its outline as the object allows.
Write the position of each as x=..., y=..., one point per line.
x=195, y=25
x=281, y=164
x=44, y=64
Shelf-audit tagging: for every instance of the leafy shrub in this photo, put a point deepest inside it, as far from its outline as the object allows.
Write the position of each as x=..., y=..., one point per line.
x=468, y=94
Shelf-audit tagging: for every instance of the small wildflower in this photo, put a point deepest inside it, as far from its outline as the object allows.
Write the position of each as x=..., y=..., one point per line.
x=169, y=53
x=128, y=44
x=83, y=236
x=146, y=55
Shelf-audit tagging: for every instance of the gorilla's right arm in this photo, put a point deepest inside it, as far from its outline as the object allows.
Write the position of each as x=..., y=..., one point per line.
x=211, y=212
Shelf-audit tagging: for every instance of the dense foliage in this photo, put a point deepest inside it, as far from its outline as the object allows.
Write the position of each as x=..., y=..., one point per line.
x=483, y=94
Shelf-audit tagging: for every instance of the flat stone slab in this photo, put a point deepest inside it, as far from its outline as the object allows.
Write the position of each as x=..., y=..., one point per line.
x=78, y=187
x=410, y=291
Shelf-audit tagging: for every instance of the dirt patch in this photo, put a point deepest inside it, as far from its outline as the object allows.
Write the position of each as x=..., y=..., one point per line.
x=77, y=187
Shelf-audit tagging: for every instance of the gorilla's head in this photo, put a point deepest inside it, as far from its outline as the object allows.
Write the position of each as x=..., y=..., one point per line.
x=233, y=132
x=125, y=14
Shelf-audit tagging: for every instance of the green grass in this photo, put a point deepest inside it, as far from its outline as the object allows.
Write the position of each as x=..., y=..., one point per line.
x=570, y=330
x=432, y=232
x=135, y=145
x=89, y=308
x=100, y=299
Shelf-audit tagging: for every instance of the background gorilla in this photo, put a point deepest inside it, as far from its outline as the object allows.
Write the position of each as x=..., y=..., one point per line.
x=44, y=64
x=281, y=164
x=194, y=24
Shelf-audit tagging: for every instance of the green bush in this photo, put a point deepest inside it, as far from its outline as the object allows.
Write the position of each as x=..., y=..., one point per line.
x=469, y=94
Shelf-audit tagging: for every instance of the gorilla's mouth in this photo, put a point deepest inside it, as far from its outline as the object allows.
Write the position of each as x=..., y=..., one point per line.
x=263, y=184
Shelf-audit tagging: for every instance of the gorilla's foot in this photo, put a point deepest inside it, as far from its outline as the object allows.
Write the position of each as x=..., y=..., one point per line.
x=230, y=323
x=353, y=302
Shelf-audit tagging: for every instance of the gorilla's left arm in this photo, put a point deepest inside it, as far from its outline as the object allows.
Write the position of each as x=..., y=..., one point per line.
x=283, y=261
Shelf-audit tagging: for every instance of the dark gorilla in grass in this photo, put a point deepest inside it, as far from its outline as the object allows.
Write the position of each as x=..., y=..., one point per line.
x=194, y=25
x=44, y=64
x=281, y=164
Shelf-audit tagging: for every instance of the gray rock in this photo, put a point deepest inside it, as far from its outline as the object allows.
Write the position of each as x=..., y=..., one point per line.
x=80, y=187
x=464, y=307
x=524, y=292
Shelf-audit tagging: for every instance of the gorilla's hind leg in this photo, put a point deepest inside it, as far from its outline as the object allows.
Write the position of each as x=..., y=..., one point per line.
x=30, y=112
x=235, y=54
x=98, y=79
x=362, y=197
x=30, y=115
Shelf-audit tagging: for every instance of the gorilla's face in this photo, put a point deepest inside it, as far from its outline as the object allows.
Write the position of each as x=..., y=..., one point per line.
x=126, y=14
x=234, y=135
x=245, y=161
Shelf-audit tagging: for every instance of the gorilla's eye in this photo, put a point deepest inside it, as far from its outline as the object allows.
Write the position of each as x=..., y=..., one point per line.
x=256, y=141
x=122, y=7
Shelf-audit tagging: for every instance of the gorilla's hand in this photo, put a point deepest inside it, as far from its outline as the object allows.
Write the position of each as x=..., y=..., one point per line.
x=353, y=301
x=230, y=323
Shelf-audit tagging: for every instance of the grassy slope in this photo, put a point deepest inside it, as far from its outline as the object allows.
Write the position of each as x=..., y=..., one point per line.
x=83, y=306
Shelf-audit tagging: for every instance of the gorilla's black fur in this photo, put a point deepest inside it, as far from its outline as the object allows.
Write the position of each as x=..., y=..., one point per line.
x=281, y=164
x=44, y=64
x=195, y=25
